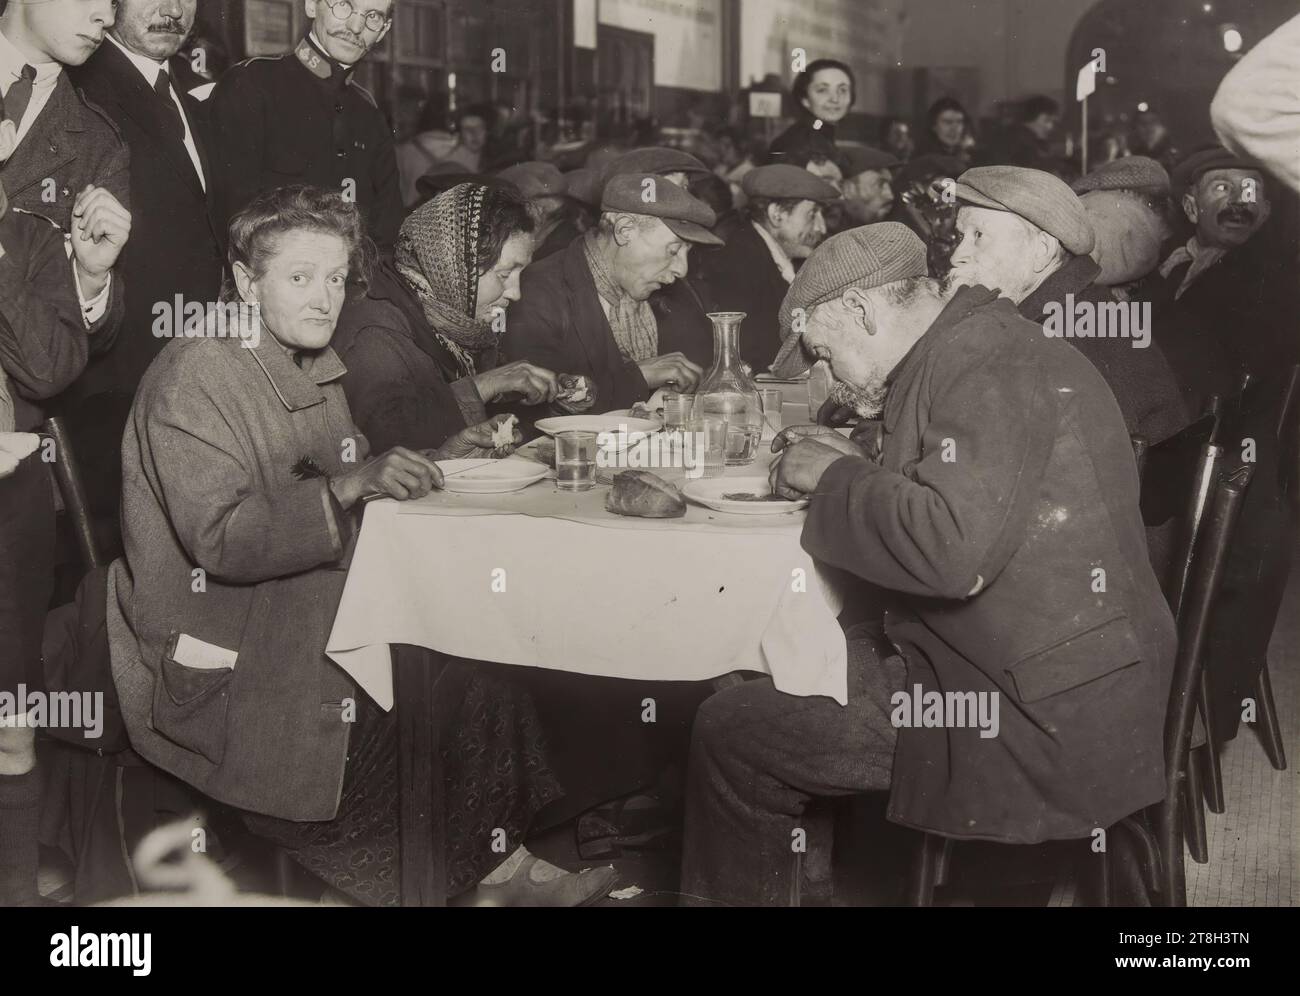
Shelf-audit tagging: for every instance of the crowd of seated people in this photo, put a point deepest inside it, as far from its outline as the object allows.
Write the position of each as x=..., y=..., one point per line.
x=397, y=304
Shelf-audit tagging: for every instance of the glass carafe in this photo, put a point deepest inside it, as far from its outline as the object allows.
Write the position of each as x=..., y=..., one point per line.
x=727, y=392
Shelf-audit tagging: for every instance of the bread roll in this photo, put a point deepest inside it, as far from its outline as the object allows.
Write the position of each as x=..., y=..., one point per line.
x=639, y=492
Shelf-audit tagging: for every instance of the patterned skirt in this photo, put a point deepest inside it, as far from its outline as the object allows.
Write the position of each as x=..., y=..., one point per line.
x=496, y=778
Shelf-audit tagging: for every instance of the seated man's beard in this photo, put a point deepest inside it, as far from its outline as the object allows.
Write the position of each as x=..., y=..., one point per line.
x=868, y=401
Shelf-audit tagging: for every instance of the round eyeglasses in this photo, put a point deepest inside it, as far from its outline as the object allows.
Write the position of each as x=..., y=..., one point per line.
x=344, y=10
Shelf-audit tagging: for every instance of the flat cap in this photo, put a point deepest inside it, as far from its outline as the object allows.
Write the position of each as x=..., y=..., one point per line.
x=1038, y=197
x=582, y=185
x=645, y=193
x=652, y=159
x=864, y=257
x=535, y=179
x=782, y=180
x=1198, y=164
x=1129, y=173
x=855, y=159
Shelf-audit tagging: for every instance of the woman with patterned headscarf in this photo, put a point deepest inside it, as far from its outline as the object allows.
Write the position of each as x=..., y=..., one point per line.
x=421, y=346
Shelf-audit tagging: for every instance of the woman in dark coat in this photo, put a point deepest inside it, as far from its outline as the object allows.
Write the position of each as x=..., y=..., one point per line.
x=242, y=473
x=947, y=131
x=421, y=345
x=823, y=94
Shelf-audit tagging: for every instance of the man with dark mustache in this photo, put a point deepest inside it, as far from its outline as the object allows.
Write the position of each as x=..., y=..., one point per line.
x=1224, y=299
x=174, y=249
x=302, y=118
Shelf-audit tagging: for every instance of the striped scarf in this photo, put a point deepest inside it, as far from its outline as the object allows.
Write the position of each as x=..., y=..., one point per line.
x=632, y=322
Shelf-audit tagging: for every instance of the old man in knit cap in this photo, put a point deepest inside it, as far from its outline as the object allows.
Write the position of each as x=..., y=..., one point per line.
x=782, y=222
x=1127, y=202
x=587, y=310
x=1005, y=481
x=1024, y=233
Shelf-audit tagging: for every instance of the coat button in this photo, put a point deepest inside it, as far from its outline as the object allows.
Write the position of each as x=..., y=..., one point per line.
x=338, y=108
x=341, y=153
x=54, y=148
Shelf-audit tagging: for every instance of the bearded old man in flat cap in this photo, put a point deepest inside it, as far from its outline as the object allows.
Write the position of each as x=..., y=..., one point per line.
x=782, y=222
x=586, y=310
x=1004, y=484
x=1025, y=233
x=1224, y=299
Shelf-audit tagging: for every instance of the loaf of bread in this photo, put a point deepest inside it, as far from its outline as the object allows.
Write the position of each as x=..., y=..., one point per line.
x=639, y=492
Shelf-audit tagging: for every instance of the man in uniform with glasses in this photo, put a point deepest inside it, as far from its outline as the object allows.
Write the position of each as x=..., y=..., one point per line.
x=301, y=118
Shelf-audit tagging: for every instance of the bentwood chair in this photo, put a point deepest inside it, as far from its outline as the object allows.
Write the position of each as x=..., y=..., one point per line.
x=67, y=475
x=1261, y=426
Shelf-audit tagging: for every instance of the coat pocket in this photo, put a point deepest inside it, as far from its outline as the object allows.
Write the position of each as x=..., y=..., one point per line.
x=190, y=703
x=1084, y=657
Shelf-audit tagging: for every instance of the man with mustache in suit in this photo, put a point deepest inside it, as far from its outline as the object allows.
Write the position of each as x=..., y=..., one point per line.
x=174, y=249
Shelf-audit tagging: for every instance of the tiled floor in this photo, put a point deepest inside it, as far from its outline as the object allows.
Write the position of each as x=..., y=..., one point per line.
x=1254, y=845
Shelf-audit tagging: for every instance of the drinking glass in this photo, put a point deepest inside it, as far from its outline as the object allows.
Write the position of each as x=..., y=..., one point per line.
x=772, y=400
x=575, y=460
x=706, y=446
x=677, y=409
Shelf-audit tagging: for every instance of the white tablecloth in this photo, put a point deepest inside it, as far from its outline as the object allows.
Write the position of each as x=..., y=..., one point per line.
x=549, y=579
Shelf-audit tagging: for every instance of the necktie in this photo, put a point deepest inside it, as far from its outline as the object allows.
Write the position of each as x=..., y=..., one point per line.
x=162, y=87
x=15, y=101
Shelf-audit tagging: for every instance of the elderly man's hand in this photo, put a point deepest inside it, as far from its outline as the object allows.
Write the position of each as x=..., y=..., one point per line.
x=801, y=466
x=823, y=434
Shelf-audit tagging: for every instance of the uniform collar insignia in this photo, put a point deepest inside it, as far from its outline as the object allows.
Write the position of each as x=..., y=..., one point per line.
x=317, y=62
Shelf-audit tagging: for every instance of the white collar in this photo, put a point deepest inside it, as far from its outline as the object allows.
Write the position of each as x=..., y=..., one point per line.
x=149, y=68
x=779, y=256
x=12, y=62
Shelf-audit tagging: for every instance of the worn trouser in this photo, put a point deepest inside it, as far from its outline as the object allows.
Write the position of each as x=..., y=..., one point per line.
x=758, y=756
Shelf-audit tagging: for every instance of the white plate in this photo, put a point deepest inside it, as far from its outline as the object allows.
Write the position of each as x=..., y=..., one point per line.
x=709, y=492
x=609, y=422
x=475, y=476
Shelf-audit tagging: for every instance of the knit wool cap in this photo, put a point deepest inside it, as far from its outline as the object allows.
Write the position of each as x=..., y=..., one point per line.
x=1130, y=173
x=865, y=257
x=1040, y=198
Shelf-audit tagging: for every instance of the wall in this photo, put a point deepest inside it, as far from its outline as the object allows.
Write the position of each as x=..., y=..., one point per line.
x=1018, y=47
x=688, y=38
x=866, y=34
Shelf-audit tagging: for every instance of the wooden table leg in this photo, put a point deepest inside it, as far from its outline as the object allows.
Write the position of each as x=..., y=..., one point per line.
x=422, y=820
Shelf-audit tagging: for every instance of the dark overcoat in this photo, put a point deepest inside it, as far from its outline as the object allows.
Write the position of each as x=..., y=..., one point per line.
x=1004, y=517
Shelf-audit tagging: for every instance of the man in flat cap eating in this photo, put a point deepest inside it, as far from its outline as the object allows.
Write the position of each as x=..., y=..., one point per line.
x=586, y=310
x=1000, y=520
x=1026, y=234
